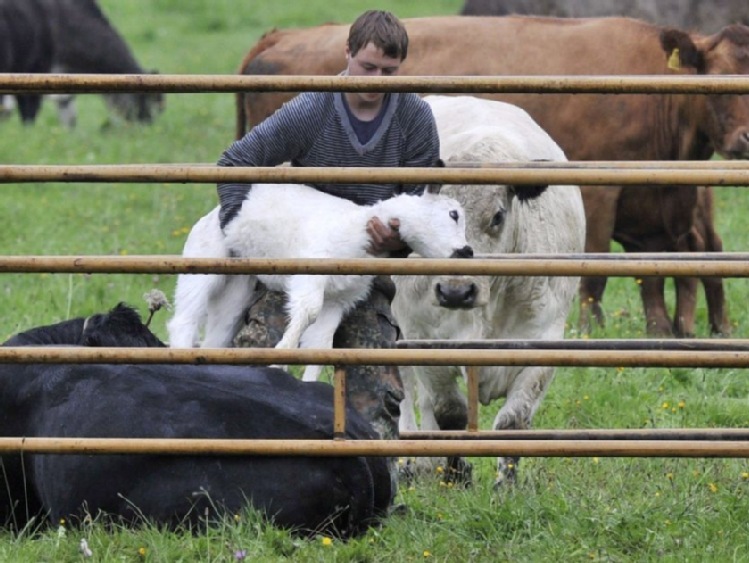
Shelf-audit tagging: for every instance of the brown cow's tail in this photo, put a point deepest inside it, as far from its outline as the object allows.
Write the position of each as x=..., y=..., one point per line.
x=268, y=39
x=241, y=113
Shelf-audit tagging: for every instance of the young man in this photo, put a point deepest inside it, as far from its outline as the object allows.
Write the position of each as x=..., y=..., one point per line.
x=347, y=129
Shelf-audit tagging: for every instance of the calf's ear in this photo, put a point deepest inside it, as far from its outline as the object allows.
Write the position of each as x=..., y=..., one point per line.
x=681, y=51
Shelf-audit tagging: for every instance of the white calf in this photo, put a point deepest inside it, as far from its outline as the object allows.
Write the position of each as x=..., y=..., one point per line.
x=296, y=221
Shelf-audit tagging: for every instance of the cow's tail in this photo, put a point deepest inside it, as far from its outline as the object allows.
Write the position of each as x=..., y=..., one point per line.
x=268, y=39
x=241, y=113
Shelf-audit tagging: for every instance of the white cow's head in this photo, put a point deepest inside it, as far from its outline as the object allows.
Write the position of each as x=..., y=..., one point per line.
x=494, y=226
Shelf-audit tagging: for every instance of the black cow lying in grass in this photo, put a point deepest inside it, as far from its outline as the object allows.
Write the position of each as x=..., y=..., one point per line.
x=340, y=495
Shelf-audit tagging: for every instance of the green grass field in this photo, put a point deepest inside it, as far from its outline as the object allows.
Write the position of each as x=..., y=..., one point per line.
x=585, y=509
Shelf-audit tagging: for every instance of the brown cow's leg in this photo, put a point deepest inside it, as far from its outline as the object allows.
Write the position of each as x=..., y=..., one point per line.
x=657, y=321
x=600, y=216
x=714, y=293
x=686, y=289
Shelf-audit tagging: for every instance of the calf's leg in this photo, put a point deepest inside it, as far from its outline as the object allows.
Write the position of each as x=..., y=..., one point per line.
x=320, y=335
x=305, y=301
x=191, y=299
x=225, y=311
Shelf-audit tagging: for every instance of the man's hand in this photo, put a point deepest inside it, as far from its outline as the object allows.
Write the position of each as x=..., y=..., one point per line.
x=384, y=238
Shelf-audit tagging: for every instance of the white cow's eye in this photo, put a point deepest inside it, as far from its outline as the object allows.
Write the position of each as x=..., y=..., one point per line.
x=454, y=215
x=498, y=218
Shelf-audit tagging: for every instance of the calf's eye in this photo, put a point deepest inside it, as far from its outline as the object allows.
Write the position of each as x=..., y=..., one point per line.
x=454, y=215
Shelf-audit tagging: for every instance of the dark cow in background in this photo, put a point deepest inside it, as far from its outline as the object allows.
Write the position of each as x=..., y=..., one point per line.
x=586, y=126
x=26, y=45
x=341, y=495
x=72, y=36
x=707, y=16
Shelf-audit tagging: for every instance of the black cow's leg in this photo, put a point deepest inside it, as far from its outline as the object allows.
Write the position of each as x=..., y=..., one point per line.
x=28, y=107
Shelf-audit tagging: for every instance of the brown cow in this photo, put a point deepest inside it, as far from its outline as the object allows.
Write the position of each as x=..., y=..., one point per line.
x=707, y=17
x=588, y=127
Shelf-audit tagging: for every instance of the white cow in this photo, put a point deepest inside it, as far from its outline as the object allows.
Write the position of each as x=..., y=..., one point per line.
x=297, y=221
x=500, y=219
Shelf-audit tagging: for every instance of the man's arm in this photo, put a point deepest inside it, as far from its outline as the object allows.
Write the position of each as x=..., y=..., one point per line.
x=281, y=137
x=423, y=148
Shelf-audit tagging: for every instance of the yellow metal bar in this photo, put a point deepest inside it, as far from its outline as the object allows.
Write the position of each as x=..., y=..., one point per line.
x=360, y=356
x=511, y=265
x=476, y=448
x=195, y=83
x=161, y=173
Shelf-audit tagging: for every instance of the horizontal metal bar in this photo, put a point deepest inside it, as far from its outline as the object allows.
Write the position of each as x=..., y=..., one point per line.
x=160, y=173
x=686, y=345
x=359, y=356
x=473, y=448
x=527, y=265
x=196, y=83
x=701, y=434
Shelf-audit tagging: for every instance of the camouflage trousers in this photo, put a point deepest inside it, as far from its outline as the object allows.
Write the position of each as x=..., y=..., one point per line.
x=374, y=391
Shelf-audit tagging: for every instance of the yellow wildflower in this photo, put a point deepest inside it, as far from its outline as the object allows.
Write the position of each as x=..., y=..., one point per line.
x=713, y=487
x=326, y=541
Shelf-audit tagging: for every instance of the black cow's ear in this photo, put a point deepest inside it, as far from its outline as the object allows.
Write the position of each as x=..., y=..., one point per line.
x=524, y=193
x=681, y=51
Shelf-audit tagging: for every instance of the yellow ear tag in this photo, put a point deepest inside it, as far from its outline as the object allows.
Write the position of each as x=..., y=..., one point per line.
x=674, y=62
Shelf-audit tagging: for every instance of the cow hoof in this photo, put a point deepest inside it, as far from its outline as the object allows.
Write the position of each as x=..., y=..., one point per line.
x=399, y=510
x=506, y=474
x=459, y=472
x=406, y=470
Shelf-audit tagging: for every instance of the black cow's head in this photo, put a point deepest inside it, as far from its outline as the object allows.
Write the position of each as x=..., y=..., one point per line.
x=120, y=327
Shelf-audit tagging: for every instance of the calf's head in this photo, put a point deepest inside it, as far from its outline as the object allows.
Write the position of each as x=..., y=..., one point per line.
x=434, y=226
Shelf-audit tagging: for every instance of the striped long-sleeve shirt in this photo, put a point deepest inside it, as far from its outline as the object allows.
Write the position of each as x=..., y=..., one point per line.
x=314, y=129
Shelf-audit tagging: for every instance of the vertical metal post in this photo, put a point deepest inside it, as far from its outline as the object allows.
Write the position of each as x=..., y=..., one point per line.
x=339, y=403
x=473, y=397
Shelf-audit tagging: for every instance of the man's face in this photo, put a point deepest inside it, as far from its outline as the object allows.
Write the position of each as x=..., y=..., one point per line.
x=371, y=61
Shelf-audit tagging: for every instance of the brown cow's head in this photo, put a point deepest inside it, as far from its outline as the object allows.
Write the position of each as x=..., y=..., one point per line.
x=726, y=52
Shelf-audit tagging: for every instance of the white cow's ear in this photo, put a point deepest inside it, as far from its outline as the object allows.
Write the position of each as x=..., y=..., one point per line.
x=524, y=193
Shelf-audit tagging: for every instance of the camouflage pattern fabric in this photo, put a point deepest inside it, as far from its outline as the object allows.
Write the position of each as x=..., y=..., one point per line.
x=375, y=391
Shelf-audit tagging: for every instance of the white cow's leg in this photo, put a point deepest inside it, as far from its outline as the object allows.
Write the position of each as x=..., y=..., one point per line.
x=320, y=335
x=407, y=422
x=443, y=407
x=523, y=398
x=225, y=310
x=305, y=301
x=191, y=299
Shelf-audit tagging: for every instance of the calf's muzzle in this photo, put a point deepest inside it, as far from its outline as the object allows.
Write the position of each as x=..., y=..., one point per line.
x=465, y=252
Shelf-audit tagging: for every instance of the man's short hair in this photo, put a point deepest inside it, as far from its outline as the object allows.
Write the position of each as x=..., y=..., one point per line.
x=381, y=28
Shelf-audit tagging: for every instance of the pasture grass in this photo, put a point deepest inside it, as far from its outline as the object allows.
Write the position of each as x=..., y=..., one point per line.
x=585, y=509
